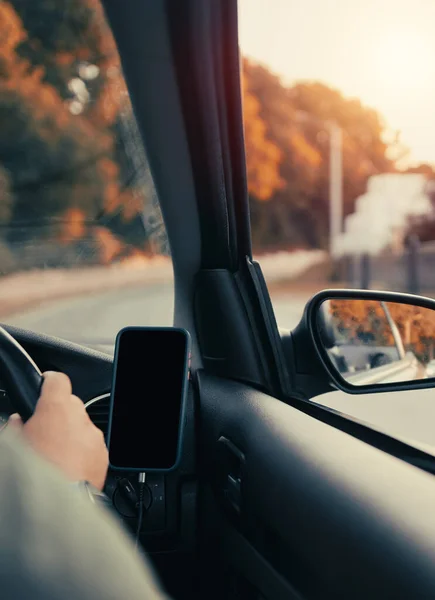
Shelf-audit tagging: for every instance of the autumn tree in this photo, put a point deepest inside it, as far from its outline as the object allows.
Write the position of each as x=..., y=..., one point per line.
x=279, y=219
x=296, y=121
x=361, y=321
x=366, y=322
x=71, y=156
x=54, y=160
x=64, y=99
x=263, y=158
x=417, y=328
x=364, y=151
x=74, y=43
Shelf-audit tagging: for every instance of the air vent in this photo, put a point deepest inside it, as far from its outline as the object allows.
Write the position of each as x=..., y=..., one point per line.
x=98, y=411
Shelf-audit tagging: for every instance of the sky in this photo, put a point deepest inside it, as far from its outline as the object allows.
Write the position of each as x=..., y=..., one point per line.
x=381, y=51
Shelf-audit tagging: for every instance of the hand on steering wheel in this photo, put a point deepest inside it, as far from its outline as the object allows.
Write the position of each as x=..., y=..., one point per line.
x=61, y=431
x=56, y=423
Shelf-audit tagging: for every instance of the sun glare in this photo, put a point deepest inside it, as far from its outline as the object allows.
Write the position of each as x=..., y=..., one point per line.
x=401, y=60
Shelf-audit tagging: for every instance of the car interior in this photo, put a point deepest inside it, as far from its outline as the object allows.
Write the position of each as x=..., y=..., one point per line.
x=275, y=496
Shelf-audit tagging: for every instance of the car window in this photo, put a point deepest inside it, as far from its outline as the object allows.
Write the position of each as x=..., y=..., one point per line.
x=340, y=144
x=83, y=248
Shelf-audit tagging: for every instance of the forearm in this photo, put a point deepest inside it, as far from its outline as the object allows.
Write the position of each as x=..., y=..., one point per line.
x=54, y=542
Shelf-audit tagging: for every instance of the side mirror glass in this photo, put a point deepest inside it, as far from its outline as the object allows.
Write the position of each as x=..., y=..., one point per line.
x=373, y=339
x=361, y=341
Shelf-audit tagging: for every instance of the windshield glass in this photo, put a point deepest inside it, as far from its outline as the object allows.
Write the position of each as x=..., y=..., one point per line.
x=83, y=250
x=339, y=100
x=340, y=142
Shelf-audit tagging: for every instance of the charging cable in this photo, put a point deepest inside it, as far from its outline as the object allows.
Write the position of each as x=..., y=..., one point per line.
x=142, y=481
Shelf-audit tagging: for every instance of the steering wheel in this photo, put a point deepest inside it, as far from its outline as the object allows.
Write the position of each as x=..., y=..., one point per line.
x=23, y=381
x=21, y=376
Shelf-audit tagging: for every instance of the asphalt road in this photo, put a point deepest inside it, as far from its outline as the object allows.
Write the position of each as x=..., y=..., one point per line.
x=95, y=319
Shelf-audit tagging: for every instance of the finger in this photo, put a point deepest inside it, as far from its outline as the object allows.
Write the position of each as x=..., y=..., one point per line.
x=15, y=422
x=56, y=387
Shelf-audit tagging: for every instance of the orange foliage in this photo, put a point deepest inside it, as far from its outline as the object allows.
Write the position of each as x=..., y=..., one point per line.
x=74, y=227
x=28, y=82
x=70, y=158
x=109, y=245
x=287, y=163
x=358, y=317
x=113, y=96
x=291, y=142
x=132, y=202
x=304, y=151
x=416, y=326
x=262, y=156
x=12, y=31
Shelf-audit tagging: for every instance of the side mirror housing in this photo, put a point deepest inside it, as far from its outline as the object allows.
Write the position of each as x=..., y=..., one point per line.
x=361, y=342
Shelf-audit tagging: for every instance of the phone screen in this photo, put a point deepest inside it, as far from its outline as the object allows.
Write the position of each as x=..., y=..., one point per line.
x=147, y=398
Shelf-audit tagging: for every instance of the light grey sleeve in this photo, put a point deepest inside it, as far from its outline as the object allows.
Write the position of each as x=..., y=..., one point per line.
x=54, y=544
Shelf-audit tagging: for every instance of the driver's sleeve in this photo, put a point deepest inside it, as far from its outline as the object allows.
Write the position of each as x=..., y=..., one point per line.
x=54, y=544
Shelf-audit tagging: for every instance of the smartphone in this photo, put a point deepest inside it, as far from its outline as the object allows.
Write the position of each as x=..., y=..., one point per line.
x=148, y=398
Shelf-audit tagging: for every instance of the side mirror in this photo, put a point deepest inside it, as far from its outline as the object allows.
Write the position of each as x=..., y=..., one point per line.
x=362, y=342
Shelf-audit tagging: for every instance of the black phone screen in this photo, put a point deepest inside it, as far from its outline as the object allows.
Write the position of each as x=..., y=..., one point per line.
x=147, y=397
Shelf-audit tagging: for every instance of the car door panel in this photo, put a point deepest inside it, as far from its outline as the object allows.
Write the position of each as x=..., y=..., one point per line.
x=329, y=514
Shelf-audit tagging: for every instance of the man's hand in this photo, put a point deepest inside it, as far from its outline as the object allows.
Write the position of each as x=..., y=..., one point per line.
x=62, y=432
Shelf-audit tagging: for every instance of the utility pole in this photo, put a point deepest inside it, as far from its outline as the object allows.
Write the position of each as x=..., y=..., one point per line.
x=335, y=176
x=335, y=185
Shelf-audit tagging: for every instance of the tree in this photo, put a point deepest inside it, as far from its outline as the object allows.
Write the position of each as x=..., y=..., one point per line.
x=64, y=100
x=362, y=321
x=295, y=122
x=417, y=328
x=263, y=157
x=74, y=43
x=54, y=159
x=365, y=321
x=71, y=153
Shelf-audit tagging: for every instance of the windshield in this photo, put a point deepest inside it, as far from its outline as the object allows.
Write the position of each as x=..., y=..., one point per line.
x=83, y=250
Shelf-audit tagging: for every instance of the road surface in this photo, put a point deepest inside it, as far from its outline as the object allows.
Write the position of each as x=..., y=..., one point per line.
x=96, y=319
